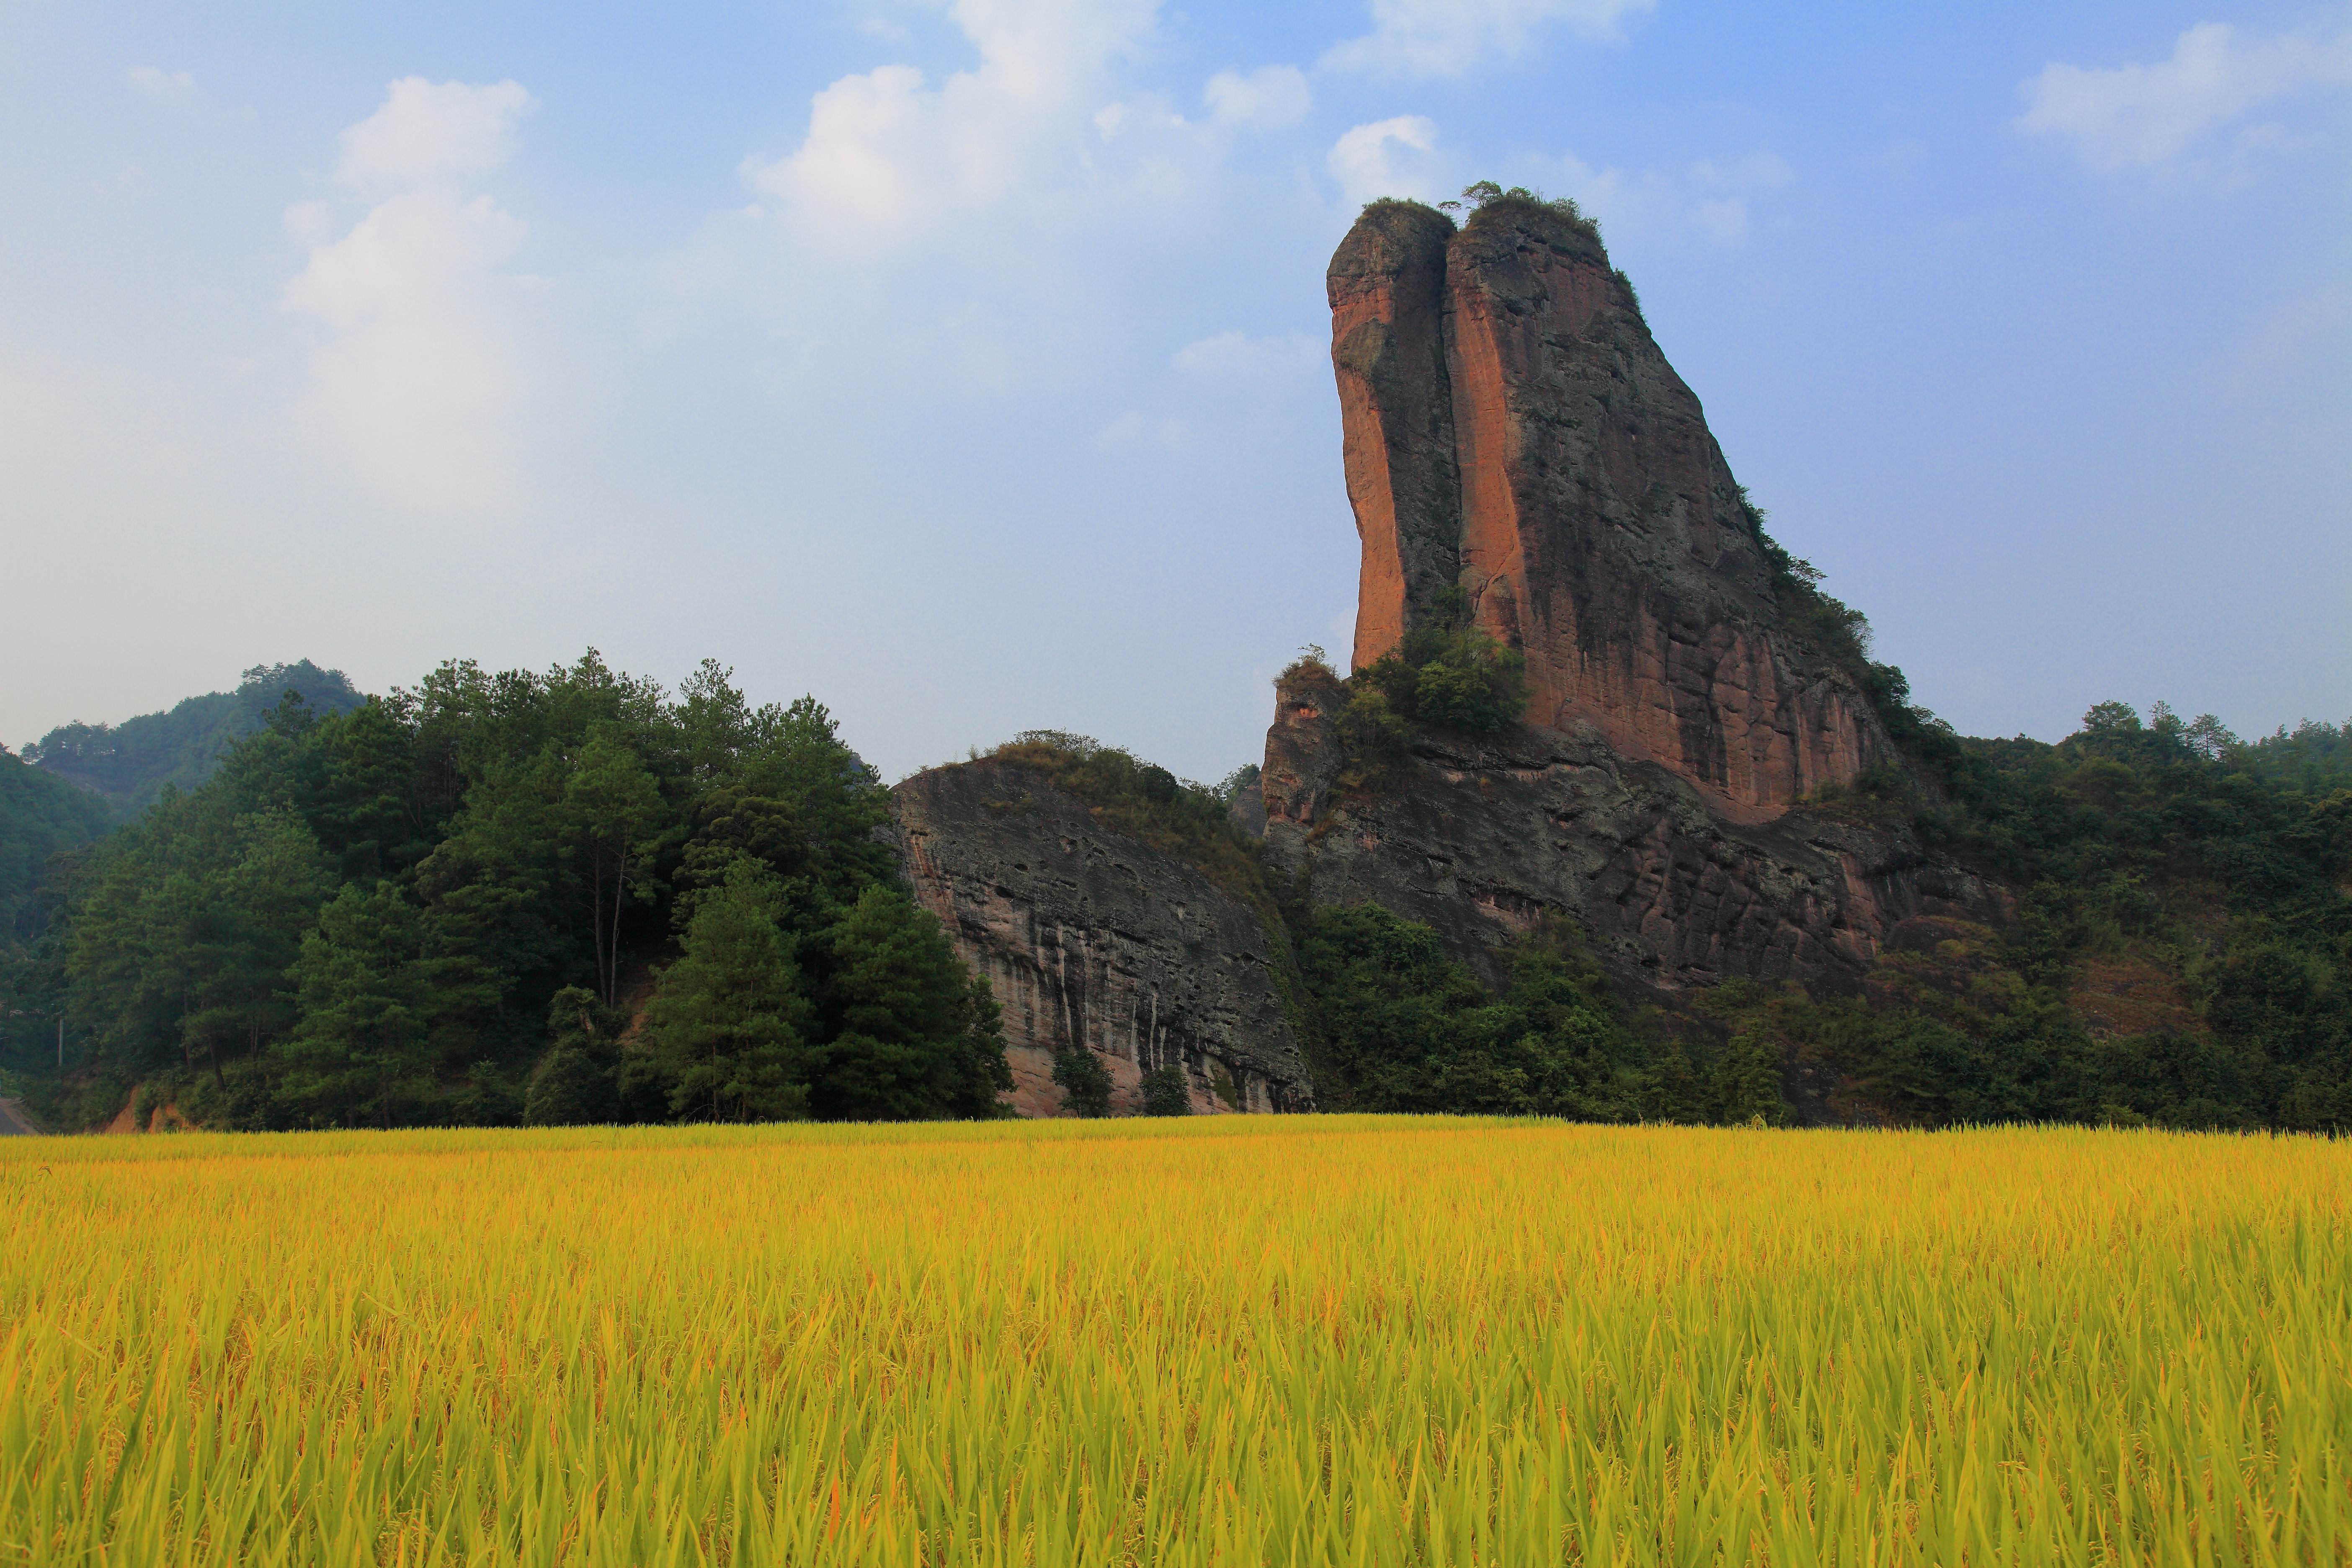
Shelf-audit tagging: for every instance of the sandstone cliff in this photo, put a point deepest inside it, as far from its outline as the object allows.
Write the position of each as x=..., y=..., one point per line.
x=1093, y=940
x=1511, y=429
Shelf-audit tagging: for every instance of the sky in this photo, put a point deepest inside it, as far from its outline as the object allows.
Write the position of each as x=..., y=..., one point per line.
x=965, y=363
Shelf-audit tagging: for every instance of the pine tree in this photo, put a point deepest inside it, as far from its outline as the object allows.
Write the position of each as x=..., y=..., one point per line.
x=576, y=1082
x=1084, y=1081
x=614, y=811
x=729, y=1021
x=915, y=1036
x=1747, y=1082
x=359, y=1056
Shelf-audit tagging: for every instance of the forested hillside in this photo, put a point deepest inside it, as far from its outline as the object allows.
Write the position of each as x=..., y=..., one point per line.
x=129, y=763
x=445, y=905
x=40, y=815
x=2180, y=951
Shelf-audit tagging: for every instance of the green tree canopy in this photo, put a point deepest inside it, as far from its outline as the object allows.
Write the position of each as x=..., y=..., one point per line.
x=728, y=1026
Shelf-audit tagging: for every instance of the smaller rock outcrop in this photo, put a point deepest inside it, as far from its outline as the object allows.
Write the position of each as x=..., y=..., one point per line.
x=1094, y=941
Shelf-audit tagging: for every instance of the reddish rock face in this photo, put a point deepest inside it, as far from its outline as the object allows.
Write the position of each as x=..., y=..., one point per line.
x=1512, y=428
x=1386, y=288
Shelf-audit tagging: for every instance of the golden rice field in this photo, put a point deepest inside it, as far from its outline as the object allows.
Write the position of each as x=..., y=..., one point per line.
x=1223, y=1340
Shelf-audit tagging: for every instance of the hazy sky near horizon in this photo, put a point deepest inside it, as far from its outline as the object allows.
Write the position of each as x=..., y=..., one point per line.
x=966, y=363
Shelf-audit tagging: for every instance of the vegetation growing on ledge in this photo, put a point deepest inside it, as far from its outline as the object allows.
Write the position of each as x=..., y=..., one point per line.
x=1486, y=197
x=1448, y=673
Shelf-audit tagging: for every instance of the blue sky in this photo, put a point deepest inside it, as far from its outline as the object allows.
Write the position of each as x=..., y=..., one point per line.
x=964, y=363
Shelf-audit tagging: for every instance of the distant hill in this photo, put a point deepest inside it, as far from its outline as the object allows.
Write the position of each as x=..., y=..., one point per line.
x=128, y=764
x=39, y=816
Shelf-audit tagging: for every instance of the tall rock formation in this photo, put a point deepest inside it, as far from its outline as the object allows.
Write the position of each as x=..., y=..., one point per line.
x=1512, y=429
x=1092, y=940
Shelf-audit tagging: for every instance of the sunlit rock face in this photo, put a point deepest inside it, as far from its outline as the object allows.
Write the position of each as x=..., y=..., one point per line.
x=1511, y=429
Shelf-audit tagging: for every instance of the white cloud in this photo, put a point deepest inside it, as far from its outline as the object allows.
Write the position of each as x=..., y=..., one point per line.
x=1711, y=201
x=419, y=372
x=1724, y=220
x=1134, y=432
x=887, y=153
x=1237, y=357
x=1271, y=95
x=991, y=223
x=159, y=86
x=1757, y=171
x=430, y=134
x=1446, y=38
x=2145, y=114
x=1376, y=159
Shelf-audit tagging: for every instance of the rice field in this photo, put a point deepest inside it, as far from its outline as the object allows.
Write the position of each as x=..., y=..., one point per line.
x=1230, y=1341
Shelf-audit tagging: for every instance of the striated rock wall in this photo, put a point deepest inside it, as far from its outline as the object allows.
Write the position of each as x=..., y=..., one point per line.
x=1514, y=429
x=1090, y=939
x=1480, y=839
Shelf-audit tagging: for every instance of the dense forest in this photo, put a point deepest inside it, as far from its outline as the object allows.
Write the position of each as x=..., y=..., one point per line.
x=505, y=897
x=41, y=815
x=574, y=897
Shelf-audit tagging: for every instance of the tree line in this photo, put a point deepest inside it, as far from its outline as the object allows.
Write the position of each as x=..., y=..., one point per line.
x=573, y=897
x=449, y=905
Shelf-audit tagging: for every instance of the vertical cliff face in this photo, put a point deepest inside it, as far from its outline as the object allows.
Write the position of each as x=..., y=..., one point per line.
x=1512, y=428
x=1094, y=941
x=1386, y=288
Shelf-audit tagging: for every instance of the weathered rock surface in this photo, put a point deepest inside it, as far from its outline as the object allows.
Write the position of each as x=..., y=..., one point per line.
x=1512, y=428
x=1093, y=940
x=1479, y=839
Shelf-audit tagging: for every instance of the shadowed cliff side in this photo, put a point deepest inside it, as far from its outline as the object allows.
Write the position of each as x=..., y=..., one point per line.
x=1093, y=940
x=1512, y=429
x=1480, y=836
